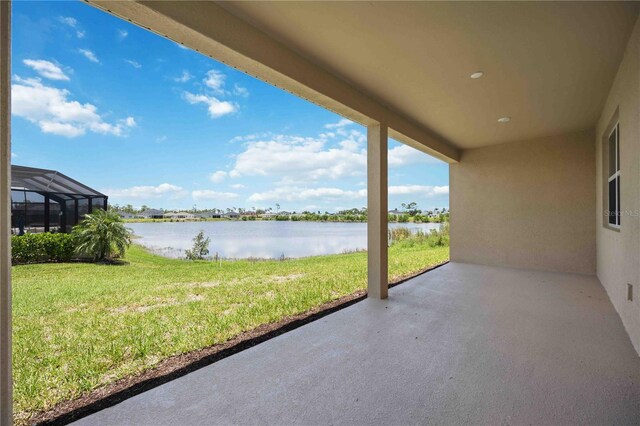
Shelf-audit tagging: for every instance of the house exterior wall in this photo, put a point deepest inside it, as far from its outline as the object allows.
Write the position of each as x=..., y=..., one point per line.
x=526, y=204
x=618, y=252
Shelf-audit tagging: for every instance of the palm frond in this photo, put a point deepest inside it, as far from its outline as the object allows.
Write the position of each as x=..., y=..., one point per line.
x=102, y=235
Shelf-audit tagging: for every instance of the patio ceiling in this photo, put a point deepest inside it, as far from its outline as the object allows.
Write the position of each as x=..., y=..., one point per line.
x=548, y=65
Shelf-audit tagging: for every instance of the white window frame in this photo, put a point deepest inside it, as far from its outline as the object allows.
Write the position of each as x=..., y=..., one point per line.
x=614, y=176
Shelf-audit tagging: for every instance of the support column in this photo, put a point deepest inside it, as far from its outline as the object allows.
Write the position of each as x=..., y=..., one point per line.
x=47, y=213
x=6, y=397
x=377, y=237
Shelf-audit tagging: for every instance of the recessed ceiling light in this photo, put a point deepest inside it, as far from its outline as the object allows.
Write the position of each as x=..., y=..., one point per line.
x=476, y=75
x=504, y=119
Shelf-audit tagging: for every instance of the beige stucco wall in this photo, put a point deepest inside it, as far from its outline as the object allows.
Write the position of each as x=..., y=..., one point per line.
x=618, y=253
x=526, y=204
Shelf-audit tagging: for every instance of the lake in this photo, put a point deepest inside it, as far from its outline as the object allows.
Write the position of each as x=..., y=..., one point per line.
x=261, y=239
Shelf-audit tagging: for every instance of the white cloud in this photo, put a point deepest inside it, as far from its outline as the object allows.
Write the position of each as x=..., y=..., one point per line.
x=238, y=186
x=122, y=34
x=214, y=80
x=68, y=20
x=292, y=194
x=342, y=123
x=404, y=154
x=73, y=23
x=54, y=113
x=252, y=137
x=184, y=77
x=331, y=194
x=240, y=91
x=206, y=194
x=144, y=192
x=301, y=159
x=216, y=107
x=61, y=129
x=133, y=63
x=89, y=55
x=213, y=94
x=218, y=176
x=161, y=138
x=46, y=69
x=14, y=155
x=422, y=190
x=331, y=155
x=350, y=145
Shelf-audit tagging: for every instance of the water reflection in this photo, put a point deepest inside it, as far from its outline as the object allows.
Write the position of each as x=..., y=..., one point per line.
x=261, y=239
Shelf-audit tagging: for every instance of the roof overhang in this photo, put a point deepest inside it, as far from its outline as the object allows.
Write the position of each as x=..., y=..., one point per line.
x=49, y=181
x=548, y=65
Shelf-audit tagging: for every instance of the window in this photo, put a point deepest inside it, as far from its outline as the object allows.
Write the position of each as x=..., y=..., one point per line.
x=83, y=208
x=34, y=211
x=613, y=211
x=70, y=210
x=55, y=214
x=97, y=203
x=18, y=213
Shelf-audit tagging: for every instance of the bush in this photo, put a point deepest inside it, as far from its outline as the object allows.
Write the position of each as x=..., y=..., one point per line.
x=399, y=234
x=200, y=247
x=435, y=238
x=102, y=235
x=45, y=247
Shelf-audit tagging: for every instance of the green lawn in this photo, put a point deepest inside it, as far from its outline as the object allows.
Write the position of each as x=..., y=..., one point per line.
x=79, y=326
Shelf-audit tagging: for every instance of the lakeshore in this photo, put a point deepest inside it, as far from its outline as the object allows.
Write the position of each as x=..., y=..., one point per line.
x=262, y=239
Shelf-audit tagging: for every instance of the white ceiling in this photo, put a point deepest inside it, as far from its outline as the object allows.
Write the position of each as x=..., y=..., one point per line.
x=548, y=65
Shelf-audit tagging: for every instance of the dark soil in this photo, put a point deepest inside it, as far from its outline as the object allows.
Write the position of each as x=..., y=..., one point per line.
x=179, y=365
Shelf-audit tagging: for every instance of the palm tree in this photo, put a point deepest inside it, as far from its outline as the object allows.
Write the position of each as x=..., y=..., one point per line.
x=102, y=235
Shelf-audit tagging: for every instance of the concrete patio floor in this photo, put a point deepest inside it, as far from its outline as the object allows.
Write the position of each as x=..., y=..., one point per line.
x=462, y=344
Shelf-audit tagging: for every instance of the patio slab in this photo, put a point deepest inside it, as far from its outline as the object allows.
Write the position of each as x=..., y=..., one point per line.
x=463, y=344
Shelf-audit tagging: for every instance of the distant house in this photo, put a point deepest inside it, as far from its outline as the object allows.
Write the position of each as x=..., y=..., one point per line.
x=209, y=215
x=179, y=215
x=125, y=215
x=397, y=212
x=151, y=214
x=231, y=215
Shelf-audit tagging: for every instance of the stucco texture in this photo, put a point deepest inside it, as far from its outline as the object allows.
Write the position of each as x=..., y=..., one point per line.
x=526, y=204
x=618, y=252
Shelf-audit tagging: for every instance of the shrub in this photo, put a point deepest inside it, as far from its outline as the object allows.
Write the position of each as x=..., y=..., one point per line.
x=434, y=238
x=200, y=247
x=102, y=235
x=398, y=234
x=45, y=247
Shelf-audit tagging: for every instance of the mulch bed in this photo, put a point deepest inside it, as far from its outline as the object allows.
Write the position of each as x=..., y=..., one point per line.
x=180, y=365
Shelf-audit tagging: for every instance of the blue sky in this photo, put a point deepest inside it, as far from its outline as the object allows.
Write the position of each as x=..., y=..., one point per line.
x=148, y=122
